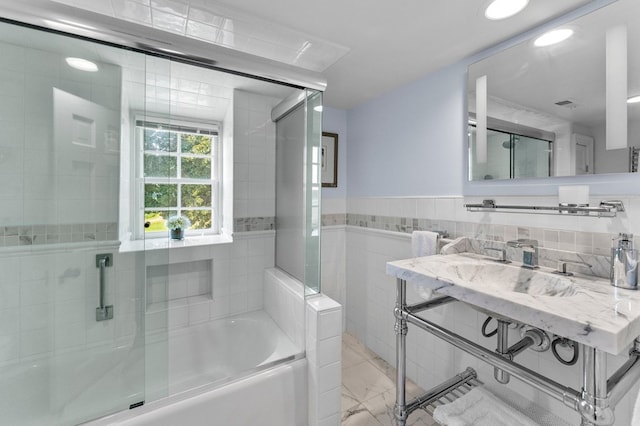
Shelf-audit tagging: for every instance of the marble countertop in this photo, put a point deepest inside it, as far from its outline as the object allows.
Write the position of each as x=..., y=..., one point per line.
x=585, y=309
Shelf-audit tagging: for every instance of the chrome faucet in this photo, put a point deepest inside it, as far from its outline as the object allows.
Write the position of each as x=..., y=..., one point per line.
x=529, y=257
x=562, y=266
x=503, y=254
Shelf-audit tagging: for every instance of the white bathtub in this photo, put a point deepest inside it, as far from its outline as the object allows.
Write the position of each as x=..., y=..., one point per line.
x=216, y=351
x=274, y=397
x=203, y=365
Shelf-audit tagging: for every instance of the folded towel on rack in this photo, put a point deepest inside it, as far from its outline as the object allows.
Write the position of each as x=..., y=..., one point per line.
x=424, y=243
x=480, y=407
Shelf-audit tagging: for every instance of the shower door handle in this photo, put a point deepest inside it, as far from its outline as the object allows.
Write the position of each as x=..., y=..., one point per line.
x=102, y=262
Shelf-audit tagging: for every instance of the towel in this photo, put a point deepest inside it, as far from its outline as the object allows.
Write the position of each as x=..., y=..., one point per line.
x=424, y=243
x=480, y=407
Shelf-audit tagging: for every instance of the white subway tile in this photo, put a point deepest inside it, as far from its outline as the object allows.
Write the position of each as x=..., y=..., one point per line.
x=329, y=324
x=329, y=377
x=329, y=351
x=70, y=335
x=219, y=307
x=178, y=317
x=199, y=312
x=329, y=403
x=35, y=342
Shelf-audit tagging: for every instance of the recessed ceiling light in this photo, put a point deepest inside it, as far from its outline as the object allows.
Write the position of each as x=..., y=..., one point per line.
x=553, y=37
x=501, y=9
x=82, y=64
x=634, y=100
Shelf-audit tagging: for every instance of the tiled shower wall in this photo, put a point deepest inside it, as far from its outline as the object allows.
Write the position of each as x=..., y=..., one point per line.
x=49, y=293
x=236, y=269
x=44, y=182
x=373, y=231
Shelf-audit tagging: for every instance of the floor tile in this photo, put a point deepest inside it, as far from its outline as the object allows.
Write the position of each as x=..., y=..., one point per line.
x=357, y=346
x=365, y=381
x=368, y=391
x=382, y=365
x=350, y=357
x=348, y=400
x=359, y=416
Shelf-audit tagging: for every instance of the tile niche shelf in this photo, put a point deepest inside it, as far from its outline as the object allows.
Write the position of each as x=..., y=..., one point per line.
x=607, y=208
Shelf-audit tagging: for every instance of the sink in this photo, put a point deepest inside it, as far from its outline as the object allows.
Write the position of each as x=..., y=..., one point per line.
x=585, y=309
x=514, y=278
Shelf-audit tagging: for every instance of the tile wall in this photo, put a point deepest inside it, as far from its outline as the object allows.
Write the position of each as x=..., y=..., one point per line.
x=47, y=180
x=49, y=291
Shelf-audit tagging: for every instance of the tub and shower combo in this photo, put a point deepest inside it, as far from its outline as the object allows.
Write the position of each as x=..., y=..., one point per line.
x=111, y=127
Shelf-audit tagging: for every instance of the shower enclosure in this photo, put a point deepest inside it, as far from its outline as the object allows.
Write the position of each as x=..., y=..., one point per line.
x=101, y=311
x=511, y=156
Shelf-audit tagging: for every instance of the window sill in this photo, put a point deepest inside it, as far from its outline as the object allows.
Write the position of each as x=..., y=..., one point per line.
x=165, y=243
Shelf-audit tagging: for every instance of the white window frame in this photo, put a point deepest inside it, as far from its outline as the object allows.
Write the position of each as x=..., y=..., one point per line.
x=183, y=125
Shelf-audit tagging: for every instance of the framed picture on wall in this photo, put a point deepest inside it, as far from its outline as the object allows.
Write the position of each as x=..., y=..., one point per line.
x=329, y=150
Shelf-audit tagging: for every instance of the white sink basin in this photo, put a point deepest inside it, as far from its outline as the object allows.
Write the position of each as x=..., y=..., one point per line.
x=514, y=278
x=587, y=310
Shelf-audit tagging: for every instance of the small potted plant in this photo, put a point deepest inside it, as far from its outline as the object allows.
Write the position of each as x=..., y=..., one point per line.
x=177, y=225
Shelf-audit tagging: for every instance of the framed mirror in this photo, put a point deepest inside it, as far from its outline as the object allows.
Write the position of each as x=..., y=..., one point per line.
x=569, y=108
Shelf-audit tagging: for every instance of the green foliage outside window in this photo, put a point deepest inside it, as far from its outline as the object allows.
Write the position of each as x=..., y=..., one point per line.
x=160, y=195
x=160, y=140
x=196, y=144
x=171, y=156
x=160, y=166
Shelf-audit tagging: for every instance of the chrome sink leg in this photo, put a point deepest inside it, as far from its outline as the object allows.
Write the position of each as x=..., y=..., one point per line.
x=594, y=405
x=400, y=408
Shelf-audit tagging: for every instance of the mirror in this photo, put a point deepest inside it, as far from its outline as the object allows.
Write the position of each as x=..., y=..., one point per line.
x=563, y=109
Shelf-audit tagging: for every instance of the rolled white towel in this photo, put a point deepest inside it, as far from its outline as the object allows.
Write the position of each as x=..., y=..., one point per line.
x=480, y=407
x=424, y=243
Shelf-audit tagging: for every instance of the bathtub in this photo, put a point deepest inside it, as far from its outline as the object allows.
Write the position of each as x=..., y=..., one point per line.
x=224, y=372
x=215, y=351
x=274, y=397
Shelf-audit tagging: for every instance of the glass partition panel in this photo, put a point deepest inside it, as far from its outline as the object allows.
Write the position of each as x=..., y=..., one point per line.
x=140, y=227
x=313, y=186
x=72, y=346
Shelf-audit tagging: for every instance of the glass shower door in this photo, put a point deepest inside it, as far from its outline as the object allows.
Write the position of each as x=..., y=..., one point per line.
x=72, y=325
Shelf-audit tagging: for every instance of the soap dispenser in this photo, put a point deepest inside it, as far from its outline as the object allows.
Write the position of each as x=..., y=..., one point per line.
x=624, y=262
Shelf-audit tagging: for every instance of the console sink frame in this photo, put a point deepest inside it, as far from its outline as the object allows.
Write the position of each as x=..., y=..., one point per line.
x=594, y=401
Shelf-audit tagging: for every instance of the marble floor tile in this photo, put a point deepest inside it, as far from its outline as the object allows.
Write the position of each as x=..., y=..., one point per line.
x=417, y=418
x=353, y=343
x=359, y=416
x=368, y=391
x=348, y=400
x=365, y=381
x=351, y=357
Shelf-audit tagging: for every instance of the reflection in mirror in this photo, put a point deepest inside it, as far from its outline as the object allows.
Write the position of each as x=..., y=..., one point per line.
x=577, y=93
x=511, y=152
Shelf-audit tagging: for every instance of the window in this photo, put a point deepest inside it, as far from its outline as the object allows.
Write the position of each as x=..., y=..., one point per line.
x=178, y=175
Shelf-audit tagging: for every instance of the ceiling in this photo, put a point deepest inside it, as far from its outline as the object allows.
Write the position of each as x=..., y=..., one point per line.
x=363, y=47
x=573, y=71
x=393, y=43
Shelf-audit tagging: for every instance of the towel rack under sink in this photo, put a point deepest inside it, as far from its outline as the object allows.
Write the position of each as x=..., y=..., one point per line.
x=448, y=391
